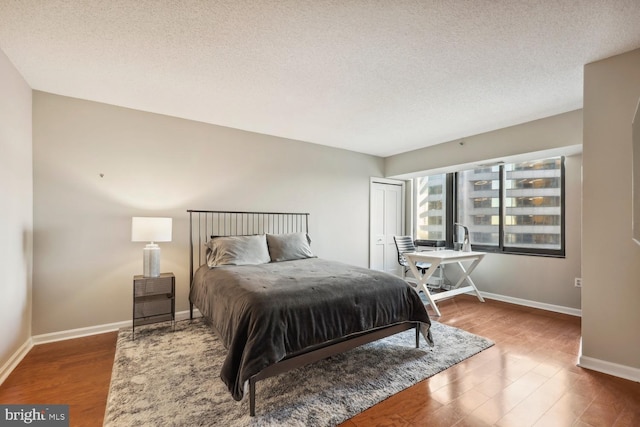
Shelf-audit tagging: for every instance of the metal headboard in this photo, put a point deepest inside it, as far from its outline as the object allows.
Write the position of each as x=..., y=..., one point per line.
x=204, y=224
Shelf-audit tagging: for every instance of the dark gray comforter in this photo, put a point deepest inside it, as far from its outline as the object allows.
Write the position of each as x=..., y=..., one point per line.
x=263, y=313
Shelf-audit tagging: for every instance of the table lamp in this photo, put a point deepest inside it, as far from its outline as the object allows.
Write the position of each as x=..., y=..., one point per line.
x=151, y=230
x=465, y=246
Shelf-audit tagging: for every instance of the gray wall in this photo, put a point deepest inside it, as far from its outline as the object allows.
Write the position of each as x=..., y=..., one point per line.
x=155, y=165
x=542, y=280
x=555, y=134
x=611, y=260
x=16, y=217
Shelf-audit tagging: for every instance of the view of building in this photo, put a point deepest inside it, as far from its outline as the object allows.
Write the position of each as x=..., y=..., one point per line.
x=531, y=204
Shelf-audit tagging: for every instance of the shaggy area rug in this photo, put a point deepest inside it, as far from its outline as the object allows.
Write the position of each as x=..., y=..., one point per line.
x=171, y=378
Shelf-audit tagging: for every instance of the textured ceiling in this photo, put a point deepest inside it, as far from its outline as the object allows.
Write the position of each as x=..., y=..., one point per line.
x=377, y=77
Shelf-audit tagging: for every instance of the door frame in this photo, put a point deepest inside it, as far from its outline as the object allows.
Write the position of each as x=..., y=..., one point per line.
x=375, y=180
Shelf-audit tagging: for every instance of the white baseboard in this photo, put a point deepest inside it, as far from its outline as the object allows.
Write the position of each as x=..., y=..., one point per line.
x=79, y=333
x=609, y=368
x=184, y=315
x=15, y=359
x=98, y=329
x=533, y=304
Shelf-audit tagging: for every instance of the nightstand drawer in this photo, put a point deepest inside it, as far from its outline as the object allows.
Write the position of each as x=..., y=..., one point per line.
x=153, y=286
x=154, y=300
x=152, y=308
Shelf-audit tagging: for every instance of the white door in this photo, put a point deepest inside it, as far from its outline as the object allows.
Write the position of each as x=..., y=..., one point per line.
x=386, y=221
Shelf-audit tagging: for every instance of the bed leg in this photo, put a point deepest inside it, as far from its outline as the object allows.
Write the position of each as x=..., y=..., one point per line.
x=417, y=335
x=190, y=311
x=252, y=397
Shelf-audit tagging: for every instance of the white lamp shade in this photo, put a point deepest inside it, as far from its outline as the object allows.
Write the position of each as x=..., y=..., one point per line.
x=150, y=229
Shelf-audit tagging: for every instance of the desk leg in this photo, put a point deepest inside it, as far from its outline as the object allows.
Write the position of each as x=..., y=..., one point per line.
x=422, y=282
x=466, y=276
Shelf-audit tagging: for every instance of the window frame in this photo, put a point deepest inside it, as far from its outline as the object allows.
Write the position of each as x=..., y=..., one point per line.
x=451, y=213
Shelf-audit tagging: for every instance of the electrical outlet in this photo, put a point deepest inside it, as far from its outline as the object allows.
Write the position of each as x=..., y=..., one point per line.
x=578, y=282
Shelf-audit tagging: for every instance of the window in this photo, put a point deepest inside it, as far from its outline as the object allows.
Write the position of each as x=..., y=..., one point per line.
x=431, y=201
x=478, y=206
x=534, y=208
x=511, y=208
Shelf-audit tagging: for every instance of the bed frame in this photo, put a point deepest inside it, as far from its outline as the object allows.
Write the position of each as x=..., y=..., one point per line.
x=204, y=224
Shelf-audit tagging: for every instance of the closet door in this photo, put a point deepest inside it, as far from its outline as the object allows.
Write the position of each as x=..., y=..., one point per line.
x=386, y=220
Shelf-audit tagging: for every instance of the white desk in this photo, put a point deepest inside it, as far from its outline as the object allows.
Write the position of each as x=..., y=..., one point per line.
x=437, y=258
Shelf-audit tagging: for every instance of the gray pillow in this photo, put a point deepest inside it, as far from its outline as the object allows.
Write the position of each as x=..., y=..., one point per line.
x=287, y=247
x=237, y=250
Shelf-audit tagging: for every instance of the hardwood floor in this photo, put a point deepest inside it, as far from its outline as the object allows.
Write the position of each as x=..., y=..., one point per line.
x=74, y=372
x=529, y=378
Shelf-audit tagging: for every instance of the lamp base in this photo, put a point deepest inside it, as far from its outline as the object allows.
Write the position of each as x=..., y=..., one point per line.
x=151, y=260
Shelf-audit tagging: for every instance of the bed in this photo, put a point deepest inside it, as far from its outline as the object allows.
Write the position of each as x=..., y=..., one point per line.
x=275, y=306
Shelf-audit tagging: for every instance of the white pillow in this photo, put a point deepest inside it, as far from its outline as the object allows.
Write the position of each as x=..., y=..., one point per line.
x=237, y=250
x=288, y=247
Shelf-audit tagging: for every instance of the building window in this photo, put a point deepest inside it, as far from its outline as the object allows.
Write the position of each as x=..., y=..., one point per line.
x=431, y=200
x=511, y=208
x=533, y=206
x=478, y=204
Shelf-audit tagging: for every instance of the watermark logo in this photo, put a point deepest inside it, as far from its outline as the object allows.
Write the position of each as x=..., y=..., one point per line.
x=34, y=415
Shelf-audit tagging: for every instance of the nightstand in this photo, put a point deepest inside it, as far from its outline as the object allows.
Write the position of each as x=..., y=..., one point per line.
x=154, y=300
